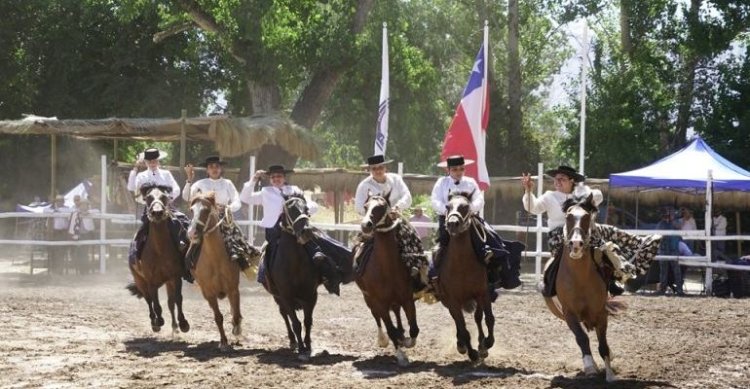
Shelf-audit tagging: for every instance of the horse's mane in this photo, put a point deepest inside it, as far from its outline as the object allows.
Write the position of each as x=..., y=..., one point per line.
x=210, y=196
x=466, y=195
x=294, y=195
x=386, y=196
x=149, y=186
x=582, y=197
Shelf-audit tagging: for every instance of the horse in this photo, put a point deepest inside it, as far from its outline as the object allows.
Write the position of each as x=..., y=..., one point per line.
x=581, y=289
x=292, y=278
x=215, y=273
x=384, y=280
x=462, y=280
x=160, y=262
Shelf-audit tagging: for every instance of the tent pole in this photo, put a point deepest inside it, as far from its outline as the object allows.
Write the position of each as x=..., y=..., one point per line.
x=637, y=197
x=103, y=222
x=183, y=137
x=739, y=232
x=53, y=166
x=707, y=229
x=250, y=207
x=538, y=256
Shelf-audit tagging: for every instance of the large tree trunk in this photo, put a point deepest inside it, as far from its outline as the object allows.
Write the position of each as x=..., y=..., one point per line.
x=687, y=87
x=515, y=118
x=626, y=42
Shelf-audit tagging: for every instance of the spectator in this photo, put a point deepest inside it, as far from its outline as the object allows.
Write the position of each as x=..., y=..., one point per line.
x=81, y=227
x=670, y=245
x=687, y=223
x=718, y=228
x=424, y=233
x=58, y=227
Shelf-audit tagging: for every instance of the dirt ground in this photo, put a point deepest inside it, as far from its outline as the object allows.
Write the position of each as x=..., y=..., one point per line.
x=87, y=331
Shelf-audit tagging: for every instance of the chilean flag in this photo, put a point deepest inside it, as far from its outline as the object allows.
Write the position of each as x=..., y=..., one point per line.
x=468, y=131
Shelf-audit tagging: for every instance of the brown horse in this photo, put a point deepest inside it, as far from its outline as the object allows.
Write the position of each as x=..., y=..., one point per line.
x=581, y=289
x=384, y=280
x=216, y=275
x=462, y=280
x=160, y=262
x=292, y=278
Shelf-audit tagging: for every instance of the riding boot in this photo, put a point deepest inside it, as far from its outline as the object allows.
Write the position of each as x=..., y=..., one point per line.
x=548, y=288
x=326, y=267
x=614, y=289
x=510, y=270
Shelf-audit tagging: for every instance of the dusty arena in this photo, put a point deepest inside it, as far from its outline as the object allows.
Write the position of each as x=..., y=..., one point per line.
x=87, y=331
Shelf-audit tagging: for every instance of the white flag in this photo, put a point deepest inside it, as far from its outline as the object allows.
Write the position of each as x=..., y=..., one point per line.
x=381, y=132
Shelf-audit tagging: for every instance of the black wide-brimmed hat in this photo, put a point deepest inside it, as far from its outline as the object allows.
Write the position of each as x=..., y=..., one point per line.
x=455, y=160
x=213, y=159
x=376, y=160
x=568, y=171
x=275, y=169
x=152, y=154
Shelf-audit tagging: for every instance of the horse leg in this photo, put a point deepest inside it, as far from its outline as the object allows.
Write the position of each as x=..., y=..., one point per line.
x=184, y=325
x=478, y=316
x=601, y=335
x=213, y=302
x=463, y=342
x=308, y=320
x=399, y=326
x=157, y=321
x=411, y=317
x=234, y=304
x=297, y=328
x=382, y=337
x=395, y=336
x=589, y=366
x=489, y=321
x=290, y=334
x=171, y=304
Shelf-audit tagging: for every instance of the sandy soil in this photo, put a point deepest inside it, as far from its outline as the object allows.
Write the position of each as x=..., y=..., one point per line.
x=87, y=331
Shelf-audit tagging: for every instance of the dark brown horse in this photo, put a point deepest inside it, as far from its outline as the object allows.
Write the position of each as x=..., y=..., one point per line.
x=215, y=273
x=160, y=262
x=462, y=280
x=292, y=278
x=384, y=279
x=581, y=288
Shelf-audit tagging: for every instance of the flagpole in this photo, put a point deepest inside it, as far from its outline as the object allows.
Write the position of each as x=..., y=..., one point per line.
x=584, y=62
x=381, y=130
x=485, y=90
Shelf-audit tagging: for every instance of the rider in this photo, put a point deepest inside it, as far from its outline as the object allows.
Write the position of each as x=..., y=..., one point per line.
x=493, y=251
x=178, y=223
x=272, y=200
x=635, y=253
x=228, y=201
x=380, y=182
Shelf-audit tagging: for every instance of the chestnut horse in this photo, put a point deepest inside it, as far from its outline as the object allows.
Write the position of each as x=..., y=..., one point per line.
x=384, y=279
x=581, y=288
x=292, y=278
x=462, y=279
x=215, y=273
x=160, y=262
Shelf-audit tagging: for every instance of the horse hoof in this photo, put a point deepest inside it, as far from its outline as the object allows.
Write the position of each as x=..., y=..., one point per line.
x=473, y=356
x=155, y=328
x=611, y=377
x=304, y=356
x=225, y=347
x=237, y=330
x=382, y=339
x=483, y=353
x=293, y=345
x=461, y=349
x=408, y=342
x=184, y=326
x=402, y=359
x=160, y=321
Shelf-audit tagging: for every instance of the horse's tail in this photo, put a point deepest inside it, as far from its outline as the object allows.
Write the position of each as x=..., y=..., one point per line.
x=554, y=306
x=470, y=306
x=616, y=307
x=134, y=290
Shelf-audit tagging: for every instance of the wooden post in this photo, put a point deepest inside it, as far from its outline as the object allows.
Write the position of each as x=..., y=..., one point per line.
x=114, y=150
x=183, y=137
x=739, y=232
x=53, y=167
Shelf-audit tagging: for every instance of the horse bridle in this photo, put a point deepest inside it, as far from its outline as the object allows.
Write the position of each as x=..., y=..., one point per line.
x=384, y=219
x=219, y=222
x=288, y=219
x=464, y=220
x=586, y=234
x=149, y=209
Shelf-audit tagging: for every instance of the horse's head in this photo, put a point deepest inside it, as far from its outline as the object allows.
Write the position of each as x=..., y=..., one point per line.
x=296, y=218
x=157, y=201
x=580, y=214
x=458, y=212
x=203, y=206
x=377, y=208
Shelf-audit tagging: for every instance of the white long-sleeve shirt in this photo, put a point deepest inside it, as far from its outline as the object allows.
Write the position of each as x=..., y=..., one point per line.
x=62, y=216
x=272, y=200
x=226, y=193
x=399, y=193
x=720, y=225
x=158, y=177
x=447, y=185
x=552, y=202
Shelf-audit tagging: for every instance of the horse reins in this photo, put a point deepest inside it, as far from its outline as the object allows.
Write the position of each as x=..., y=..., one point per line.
x=384, y=219
x=290, y=222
